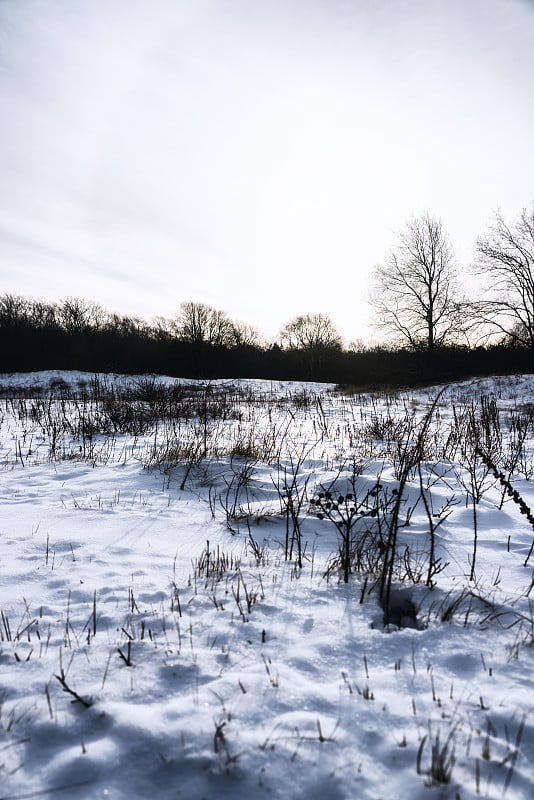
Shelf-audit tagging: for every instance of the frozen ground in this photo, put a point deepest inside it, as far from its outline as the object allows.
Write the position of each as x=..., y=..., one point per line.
x=174, y=619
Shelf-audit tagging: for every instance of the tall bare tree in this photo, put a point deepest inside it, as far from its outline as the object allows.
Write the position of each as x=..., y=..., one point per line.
x=505, y=256
x=415, y=295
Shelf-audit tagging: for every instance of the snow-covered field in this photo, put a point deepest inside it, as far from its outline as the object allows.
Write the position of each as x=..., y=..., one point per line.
x=175, y=621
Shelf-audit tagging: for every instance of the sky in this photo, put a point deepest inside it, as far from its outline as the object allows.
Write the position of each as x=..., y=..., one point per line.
x=260, y=156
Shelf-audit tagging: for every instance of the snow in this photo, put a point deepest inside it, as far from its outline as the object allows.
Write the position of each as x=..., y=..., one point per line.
x=154, y=638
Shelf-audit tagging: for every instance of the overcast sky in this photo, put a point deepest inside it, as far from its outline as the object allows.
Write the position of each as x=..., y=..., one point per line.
x=256, y=155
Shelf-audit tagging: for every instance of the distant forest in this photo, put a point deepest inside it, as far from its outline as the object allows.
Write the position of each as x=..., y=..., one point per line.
x=204, y=343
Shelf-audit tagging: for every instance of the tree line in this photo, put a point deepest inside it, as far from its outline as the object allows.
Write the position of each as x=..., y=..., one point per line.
x=431, y=330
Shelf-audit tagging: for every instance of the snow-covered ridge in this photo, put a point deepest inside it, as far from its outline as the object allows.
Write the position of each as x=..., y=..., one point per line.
x=502, y=386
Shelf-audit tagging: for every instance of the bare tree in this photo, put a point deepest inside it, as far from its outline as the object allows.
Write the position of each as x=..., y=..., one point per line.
x=415, y=295
x=76, y=315
x=315, y=336
x=124, y=325
x=163, y=329
x=505, y=256
x=310, y=332
x=203, y=324
x=246, y=335
x=14, y=310
x=44, y=315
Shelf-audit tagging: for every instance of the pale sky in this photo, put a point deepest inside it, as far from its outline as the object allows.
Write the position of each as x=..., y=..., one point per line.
x=256, y=155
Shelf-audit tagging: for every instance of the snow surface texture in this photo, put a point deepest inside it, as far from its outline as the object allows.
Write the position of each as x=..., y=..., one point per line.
x=158, y=636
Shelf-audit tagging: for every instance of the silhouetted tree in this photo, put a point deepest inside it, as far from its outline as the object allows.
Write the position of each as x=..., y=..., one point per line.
x=14, y=311
x=310, y=332
x=202, y=324
x=315, y=336
x=76, y=315
x=44, y=315
x=246, y=335
x=505, y=255
x=415, y=295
